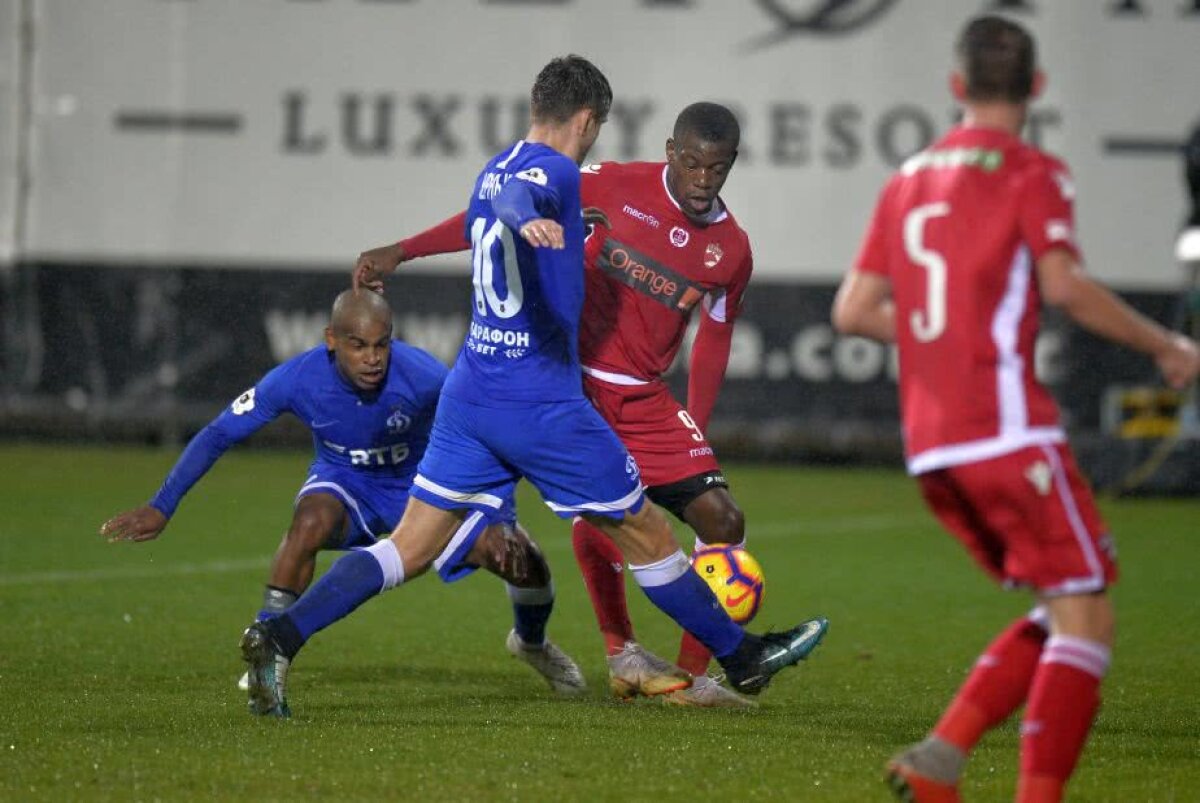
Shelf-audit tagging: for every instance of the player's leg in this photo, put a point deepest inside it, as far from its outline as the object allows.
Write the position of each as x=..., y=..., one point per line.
x=319, y=521
x=603, y=567
x=1065, y=695
x=716, y=519
x=646, y=419
x=666, y=577
x=269, y=647
x=1073, y=569
x=506, y=550
x=1028, y=519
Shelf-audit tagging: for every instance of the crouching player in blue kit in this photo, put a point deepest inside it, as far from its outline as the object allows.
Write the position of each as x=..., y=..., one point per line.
x=369, y=401
x=513, y=406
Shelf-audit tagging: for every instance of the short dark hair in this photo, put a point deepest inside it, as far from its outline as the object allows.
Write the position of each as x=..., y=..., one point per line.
x=712, y=122
x=566, y=85
x=998, y=59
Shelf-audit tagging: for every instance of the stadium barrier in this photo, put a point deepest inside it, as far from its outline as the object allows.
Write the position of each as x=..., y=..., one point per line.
x=151, y=354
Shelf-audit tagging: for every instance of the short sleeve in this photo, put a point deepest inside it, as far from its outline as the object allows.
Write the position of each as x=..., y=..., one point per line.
x=1046, y=206
x=724, y=305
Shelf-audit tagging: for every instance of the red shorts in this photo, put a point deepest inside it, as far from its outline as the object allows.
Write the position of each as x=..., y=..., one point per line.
x=656, y=429
x=1028, y=518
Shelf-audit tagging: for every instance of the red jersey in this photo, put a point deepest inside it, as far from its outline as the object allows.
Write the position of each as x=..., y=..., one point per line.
x=647, y=266
x=958, y=230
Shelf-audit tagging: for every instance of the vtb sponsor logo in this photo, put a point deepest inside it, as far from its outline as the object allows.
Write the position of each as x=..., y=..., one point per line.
x=648, y=277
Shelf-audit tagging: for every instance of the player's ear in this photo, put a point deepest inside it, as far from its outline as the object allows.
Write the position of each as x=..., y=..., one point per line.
x=958, y=86
x=330, y=340
x=670, y=149
x=1039, y=84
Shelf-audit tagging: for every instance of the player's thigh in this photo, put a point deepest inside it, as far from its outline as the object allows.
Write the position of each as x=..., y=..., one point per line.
x=1037, y=504
x=955, y=511
x=643, y=534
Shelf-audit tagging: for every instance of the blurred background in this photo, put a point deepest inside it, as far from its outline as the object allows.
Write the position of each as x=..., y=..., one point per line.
x=184, y=186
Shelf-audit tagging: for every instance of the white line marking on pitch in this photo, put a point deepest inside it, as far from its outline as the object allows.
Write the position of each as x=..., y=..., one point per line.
x=135, y=572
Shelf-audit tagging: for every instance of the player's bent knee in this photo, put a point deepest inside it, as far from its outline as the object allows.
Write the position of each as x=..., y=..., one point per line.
x=729, y=527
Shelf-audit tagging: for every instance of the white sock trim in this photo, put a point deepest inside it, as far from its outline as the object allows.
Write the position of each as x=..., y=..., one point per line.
x=667, y=570
x=388, y=558
x=1083, y=654
x=531, y=596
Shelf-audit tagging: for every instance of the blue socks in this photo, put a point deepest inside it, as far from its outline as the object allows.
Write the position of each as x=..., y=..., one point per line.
x=531, y=611
x=680, y=593
x=350, y=582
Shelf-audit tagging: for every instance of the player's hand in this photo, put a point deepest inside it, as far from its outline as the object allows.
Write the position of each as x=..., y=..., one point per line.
x=543, y=233
x=507, y=552
x=140, y=524
x=373, y=265
x=1179, y=362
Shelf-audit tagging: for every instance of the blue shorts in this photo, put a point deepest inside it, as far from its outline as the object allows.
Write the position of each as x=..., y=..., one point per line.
x=476, y=455
x=375, y=503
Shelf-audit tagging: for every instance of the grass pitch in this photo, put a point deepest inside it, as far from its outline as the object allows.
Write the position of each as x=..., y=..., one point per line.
x=118, y=662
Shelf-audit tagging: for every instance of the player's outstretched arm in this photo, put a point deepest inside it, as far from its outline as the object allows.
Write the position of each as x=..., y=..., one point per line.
x=863, y=306
x=1065, y=285
x=374, y=265
x=140, y=524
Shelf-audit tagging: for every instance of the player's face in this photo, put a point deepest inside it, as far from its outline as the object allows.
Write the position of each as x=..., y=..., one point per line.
x=696, y=171
x=362, y=352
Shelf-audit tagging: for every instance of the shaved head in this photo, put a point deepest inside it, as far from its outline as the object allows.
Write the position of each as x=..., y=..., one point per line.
x=352, y=309
x=359, y=337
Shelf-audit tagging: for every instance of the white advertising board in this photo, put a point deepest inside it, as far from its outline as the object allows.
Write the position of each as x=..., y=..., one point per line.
x=297, y=132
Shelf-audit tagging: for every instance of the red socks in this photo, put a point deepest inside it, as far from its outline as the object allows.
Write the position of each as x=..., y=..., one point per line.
x=1062, y=705
x=602, y=565
x=693, y=656
x=996, y=687
x=1059, y=679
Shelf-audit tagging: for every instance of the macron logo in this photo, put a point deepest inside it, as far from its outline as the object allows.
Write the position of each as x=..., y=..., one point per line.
x=637, y=214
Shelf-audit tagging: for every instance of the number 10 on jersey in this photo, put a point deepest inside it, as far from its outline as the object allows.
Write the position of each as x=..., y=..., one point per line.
x=490, y=245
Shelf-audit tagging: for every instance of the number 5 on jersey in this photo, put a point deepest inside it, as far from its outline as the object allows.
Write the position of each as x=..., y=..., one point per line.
x=929, y=323
x=487, y=248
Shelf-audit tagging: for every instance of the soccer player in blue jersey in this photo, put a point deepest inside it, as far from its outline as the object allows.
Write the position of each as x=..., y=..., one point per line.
x=513, y=406
x=369, y=401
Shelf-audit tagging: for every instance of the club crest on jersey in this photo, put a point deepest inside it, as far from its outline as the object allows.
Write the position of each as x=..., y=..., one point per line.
x=1040, y=476
x=679, y=236
x=244, y=403
x=398, y=422
x=712, y=255
x=534, y=175
x=631, y=467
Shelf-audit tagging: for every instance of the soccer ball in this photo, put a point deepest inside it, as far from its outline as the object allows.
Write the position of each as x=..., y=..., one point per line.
x=734, y=576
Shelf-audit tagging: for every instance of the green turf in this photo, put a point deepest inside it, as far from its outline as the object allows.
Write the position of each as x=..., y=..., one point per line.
x=118, y=662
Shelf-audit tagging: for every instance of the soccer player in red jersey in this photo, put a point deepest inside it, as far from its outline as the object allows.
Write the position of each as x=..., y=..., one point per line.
x=661, y=244
x=970, y=237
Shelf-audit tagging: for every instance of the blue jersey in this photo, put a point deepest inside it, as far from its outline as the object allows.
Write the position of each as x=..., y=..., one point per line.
x=380, y=434
x=523, y=342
